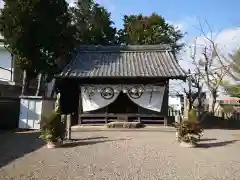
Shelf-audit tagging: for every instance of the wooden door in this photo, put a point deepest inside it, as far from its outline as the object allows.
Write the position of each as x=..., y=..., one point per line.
x=123, y=105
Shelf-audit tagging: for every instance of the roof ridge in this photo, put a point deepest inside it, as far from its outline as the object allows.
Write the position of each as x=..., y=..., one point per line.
x=109, y=63
x=123, y=48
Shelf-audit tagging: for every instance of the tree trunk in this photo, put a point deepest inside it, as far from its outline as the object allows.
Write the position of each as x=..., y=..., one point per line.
x=25, y=85
x=39, y=85
x=213, y=105
x=214, y=100
x=53, y=89
x=190, y=104
x=199, y=108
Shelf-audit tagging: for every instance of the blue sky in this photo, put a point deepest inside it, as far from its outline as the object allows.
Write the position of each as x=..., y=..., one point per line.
x=222, y=15
x=219, y=13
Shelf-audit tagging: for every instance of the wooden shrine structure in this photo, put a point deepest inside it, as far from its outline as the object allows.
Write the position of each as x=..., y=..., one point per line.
x=128, y=83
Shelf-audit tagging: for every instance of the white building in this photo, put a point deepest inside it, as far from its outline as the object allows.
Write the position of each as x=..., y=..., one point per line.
x=6, y=65
x=175, y=102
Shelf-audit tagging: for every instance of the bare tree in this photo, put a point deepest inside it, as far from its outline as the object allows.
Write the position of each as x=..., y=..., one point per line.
x=194, y=90
x=211, y=66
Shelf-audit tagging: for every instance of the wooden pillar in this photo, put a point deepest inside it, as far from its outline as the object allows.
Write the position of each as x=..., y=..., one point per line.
x=106, y=115
x=166, y=94
x=126, y=118
x=165, y=121
x=63, y=120
x=185, y=110
x=138, y=117
x=68, y=126
x=80, y=107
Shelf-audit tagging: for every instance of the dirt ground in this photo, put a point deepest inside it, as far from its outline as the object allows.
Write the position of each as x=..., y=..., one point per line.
x=121, y=155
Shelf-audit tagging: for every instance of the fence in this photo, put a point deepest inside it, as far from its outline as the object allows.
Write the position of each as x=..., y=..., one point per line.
x=9, y=113
x=171, y=115
x=172, y=112
x=228, y=115
x=220, y=119
x=219, y=114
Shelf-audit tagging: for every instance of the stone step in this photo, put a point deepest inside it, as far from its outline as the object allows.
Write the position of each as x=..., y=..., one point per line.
x=83, y=128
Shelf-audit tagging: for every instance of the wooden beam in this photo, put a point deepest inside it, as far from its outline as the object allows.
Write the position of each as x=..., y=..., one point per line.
x=142, y=80
x=63, y=120
x=139, y=118
x=103, y=121
x=80, y=107
x=111, y=115
x=106, y=115
x=165, y=103
x=165, y=121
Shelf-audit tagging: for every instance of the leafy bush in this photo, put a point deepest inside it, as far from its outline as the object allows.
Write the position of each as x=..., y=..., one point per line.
x=47, y=135
x=189, y=131
x=192, y=115
x=52, y=128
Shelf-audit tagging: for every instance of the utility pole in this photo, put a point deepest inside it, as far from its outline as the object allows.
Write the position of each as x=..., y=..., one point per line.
x=189, y=90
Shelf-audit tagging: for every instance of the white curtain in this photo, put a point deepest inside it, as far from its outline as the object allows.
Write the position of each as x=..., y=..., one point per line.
x=149, y=97
x=98, y=96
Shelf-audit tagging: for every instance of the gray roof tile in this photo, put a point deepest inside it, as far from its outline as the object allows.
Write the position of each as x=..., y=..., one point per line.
x=124, y=61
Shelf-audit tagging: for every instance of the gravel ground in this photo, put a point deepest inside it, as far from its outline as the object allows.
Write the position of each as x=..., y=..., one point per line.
x=118, y=155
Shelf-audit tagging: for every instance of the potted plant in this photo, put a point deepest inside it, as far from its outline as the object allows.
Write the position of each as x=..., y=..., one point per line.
x=52, y=129
x=47, y=136
x=189, y=133
x=177, y=122
x=177, y=126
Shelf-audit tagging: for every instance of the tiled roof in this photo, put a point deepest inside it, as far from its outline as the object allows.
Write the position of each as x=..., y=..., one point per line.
x=124, y=61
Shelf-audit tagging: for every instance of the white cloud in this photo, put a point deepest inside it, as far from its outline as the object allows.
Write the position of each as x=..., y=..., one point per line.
x=184, y=24
x=227, y=41
x=71, y=2
x=108, y=4
x=1, y=3
x=179, y=26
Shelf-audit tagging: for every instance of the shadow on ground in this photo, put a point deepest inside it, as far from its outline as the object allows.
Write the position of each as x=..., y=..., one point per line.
x=216, y=144
x=79, y=142
x=15, y=145
x=89, y=138
x=236, y=135
x=208, y=139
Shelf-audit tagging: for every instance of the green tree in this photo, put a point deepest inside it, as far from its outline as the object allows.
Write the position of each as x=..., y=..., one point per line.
x=234, y=89
x=93, y=23
x=153, y=29
x=39, y=33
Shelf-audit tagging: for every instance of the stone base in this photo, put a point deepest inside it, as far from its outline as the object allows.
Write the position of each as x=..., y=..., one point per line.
x=125, y=125
x=188, y=145
x=177, y=136
x=51, y=145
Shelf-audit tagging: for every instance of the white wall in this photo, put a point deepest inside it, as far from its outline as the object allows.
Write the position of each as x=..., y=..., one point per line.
x=5, y=62
x=175, y=102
